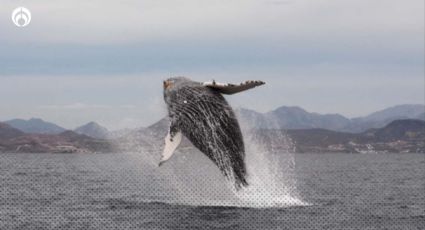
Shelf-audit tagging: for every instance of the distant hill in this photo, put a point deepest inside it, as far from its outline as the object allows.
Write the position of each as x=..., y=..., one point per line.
x=66, y=142
x=398, y=111
x=421, y=116
x=35, y=125
x=399, y=130
x=7, y=131
x=93, y=129
x=398, y=136
x=297, y=118
x=292, y=118
x=383, y=117
x=159, y=128
x=151, y=137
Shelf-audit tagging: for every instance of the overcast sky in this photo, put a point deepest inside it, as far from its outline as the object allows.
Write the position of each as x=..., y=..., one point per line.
x=79, y=61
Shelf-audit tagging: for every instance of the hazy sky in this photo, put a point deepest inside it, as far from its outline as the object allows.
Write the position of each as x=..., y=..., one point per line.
x=80, y=61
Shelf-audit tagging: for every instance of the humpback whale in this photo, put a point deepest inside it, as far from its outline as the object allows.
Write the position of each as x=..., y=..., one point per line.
x=198, y=111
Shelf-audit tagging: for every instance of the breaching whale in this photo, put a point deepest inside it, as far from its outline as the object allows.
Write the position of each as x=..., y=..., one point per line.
x=199, y=111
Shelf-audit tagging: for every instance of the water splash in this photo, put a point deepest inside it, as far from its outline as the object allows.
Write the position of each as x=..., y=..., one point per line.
x=270, y=182
x=270, y=166
x=190, y=178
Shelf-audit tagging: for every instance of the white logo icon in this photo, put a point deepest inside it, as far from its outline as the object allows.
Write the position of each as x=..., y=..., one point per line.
x=21, y=16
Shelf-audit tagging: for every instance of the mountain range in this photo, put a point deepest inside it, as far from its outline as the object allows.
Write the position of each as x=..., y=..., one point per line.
x=13, y=140
x=297, y=118
x=284, y=117
x=285, y=129
x=35, y=125
x=398, y=136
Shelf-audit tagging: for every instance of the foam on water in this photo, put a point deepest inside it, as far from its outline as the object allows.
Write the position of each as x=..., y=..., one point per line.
x=268, y=184
x=271, y=180
x=190, y=178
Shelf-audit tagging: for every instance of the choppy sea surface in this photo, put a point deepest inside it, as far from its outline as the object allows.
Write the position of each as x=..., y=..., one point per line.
x=129, y=191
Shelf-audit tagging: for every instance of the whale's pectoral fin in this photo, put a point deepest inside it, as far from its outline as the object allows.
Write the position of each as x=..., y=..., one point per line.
x=227, y=88
x=172, y=141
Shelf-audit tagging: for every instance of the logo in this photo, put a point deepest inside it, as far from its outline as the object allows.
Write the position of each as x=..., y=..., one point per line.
x=21, y=16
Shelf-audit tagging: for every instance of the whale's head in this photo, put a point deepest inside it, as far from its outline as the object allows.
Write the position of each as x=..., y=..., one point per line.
x=172, y=85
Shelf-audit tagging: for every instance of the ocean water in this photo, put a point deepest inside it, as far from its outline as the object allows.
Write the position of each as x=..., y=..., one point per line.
x=287, y=191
